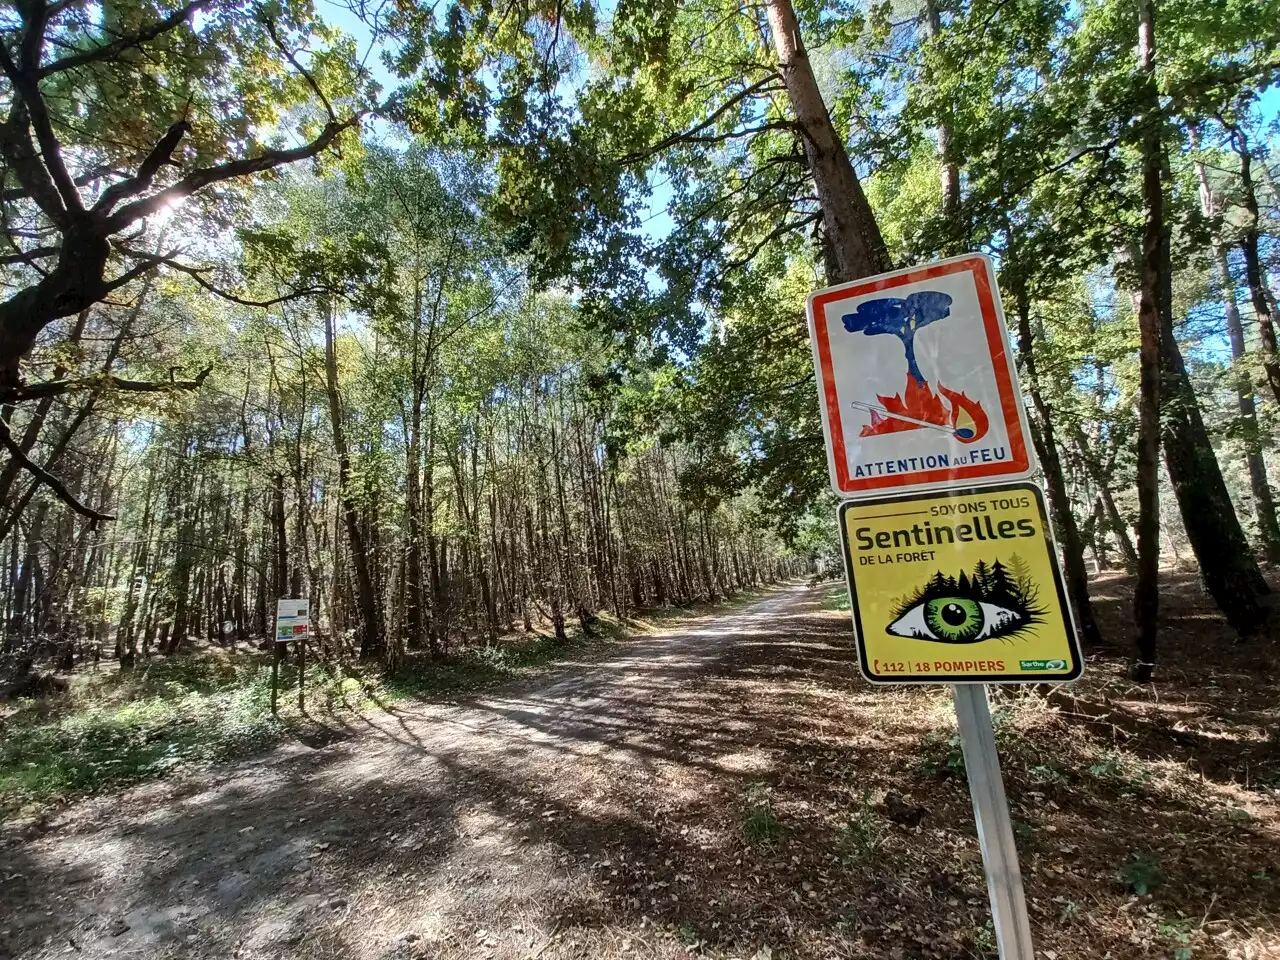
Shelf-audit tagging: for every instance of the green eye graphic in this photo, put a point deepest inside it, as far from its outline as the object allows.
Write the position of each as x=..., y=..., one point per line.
x=990, y=603
x=955, y=619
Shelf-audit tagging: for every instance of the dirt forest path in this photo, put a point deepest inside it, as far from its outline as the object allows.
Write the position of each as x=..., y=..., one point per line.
x=576, y=814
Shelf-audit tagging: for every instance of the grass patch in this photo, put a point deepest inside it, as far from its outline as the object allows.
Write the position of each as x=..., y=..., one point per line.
x=122, y=730
x=113, y=729
x=836, y=596
x=864, y=834
x=470, y=669
x=760, y=826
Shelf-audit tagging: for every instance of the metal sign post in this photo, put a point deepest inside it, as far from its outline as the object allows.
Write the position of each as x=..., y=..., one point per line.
x=995, y=829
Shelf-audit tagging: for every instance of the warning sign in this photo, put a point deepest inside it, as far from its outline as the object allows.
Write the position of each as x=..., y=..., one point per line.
x=293, y=619
x=958, y=586
x=917, y=384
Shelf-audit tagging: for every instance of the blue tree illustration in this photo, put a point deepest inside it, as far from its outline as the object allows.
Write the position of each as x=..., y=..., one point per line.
x=902, y=318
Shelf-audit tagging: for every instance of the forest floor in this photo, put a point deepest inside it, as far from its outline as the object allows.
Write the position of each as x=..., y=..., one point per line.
x=727, y=787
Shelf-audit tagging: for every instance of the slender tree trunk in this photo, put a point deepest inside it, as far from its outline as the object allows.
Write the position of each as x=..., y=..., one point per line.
x=413, y=512
x=1227, y=564
x=854, y=237
x=1263, y=504
x=280, y=527
x=371, y=641
x=1060, y=502
x=1114, y=519
x=438, y=626
x=950, y=173
x=1146, y=598
x=1259, y=295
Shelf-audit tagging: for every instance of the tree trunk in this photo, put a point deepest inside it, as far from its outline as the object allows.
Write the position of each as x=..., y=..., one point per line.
x=371, y=641
x=1263, y=504
x=281, y=530
x=1100, y=479
x=1146, y=596
x=1227, y=565
x=950, y=174
x=1264, y=507
x=851, y=230
x=413, y=511
x=1059, y=501
x=1259, y=295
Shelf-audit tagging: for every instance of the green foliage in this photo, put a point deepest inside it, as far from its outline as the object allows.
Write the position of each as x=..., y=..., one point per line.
x=188, y=712
x=1046, y=773
x=864, y=833
x=1121, y=768
x=1178, y=934
x=984, y=939
x=760, y=826
x=942, y=755
x=1141, y=873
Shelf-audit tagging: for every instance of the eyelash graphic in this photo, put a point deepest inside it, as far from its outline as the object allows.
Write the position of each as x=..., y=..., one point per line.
x=992, y=602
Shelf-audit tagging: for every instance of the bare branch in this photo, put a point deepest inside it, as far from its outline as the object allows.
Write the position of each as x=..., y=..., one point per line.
x=14, y=194
x=148, y=264
x=196, y=274
x=54, y=388
x=781, y=230
x=48, y=479
x=26, y=256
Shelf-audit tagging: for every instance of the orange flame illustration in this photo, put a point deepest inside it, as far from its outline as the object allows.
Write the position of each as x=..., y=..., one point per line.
x=918, y=406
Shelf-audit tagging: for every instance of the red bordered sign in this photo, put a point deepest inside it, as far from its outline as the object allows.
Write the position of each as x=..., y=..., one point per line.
x=916, y=380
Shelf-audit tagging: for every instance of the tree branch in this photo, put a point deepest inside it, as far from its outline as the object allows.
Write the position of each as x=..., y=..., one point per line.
x=15, y=144
x=55, y=388
x=25, y=77
x=758, y=87
x=306, y=74
x=48, y=479
x=14, y=194
x=26, y=256
x=160, y=155
x=117, y=46
x=195, y=273
x=196, y=179
x=781, y=230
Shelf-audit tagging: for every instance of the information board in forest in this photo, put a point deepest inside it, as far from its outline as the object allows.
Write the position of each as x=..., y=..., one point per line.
x=293, y=619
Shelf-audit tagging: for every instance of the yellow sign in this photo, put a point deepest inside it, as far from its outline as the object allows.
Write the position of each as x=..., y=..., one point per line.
x=958, y=586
